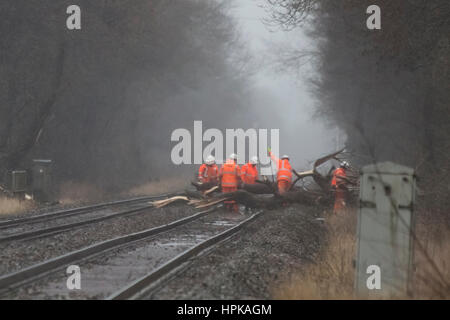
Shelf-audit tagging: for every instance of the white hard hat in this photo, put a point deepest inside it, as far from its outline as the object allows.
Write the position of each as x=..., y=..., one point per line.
x=210, y=160
x=233, y=156
x=345, y=164
x=285, y=156
x=254, y=160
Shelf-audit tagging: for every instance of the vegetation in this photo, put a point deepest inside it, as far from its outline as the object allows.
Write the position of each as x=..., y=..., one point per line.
x=102, y=101
x=332, y=274
x=388, y=90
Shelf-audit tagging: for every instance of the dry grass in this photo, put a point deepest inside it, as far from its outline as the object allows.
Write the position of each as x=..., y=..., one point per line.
x=75, y=192
x=13, y=206
x=332, y=277
x=158, y=187
x=434, y=238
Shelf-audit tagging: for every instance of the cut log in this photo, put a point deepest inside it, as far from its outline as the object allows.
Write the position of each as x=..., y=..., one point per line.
x=200, y=186
x=251, y=200
x=323, y=182
x=194, y=194
x=270, y=202
x=201, y=194
x=213, y=189
x=165, y=202
x=258, y=188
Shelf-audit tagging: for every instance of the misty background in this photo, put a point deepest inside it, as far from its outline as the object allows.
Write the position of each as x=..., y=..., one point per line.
x=282, y=98
x=103, y=101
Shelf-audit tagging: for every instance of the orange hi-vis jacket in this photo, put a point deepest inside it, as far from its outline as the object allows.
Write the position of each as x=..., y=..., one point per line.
x=208, y=173
x=249, y=173
x=284, y=168
x=230, y=174
x=337, y=174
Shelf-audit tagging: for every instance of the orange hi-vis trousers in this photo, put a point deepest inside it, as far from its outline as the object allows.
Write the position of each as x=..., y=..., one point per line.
x=339, y=200
x=231, y=205
x=283, y=186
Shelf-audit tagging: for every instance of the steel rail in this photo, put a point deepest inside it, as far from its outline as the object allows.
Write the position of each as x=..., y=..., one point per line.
x=34, y=272
x=138, y=287
x=74, y=211
x=69, y=226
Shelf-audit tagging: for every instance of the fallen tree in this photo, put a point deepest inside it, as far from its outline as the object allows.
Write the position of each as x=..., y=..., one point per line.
x=251, y=200
x=264, y=194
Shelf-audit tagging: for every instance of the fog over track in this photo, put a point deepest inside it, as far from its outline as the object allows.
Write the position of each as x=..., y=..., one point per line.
x=102, y=102
x=281, y=98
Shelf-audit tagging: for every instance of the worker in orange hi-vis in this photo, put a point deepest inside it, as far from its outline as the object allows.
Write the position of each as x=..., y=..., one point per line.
x=249, y=171
x=284, y=173
x=339, y=185
x=229, y=175
x=208, y=173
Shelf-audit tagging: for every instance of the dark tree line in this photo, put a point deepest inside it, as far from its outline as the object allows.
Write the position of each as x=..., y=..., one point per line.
x=387, y=89
x=102, y=101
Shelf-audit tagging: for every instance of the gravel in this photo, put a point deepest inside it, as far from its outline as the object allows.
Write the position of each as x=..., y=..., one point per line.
x=252, y=263
x=43, y=208
x=20, y=254
x=105, y=274
x=248, y=266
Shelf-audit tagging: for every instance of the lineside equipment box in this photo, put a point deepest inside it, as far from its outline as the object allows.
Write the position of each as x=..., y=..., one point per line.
x=385, y=229
x=41, y=173
x=17, y=181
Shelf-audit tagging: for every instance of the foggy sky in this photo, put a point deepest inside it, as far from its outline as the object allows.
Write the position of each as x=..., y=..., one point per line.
x=286, y=93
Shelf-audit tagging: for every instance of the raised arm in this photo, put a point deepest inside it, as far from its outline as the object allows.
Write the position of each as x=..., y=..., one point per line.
x=274, y=158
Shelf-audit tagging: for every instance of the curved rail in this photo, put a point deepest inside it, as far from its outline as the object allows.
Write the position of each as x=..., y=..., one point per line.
x=74, y=211
x=24, y=235
x=140, y=286
x=39, y=270
x=68, y=226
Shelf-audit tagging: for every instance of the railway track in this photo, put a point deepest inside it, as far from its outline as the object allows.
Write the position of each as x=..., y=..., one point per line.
x=23, y=229
x=151, y=281
x=39, y=270
x=112, y=265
